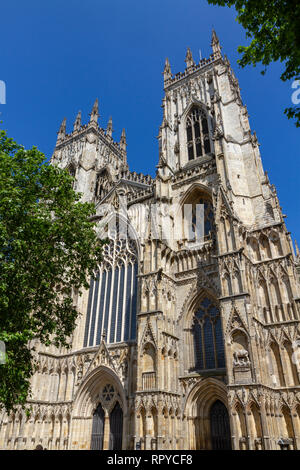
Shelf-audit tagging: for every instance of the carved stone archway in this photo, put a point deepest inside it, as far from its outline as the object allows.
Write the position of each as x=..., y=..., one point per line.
x=198, y=413
x=101, y=389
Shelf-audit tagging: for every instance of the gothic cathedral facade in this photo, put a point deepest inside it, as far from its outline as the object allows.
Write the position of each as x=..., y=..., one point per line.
x=182, y=342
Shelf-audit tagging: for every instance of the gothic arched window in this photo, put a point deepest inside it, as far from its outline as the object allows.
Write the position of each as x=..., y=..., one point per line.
x=197, y=133
x=112, y=300
x=208, y=337
x=102, y=185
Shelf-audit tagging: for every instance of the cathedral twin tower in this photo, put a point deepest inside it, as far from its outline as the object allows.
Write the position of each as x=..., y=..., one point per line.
x=184, y=342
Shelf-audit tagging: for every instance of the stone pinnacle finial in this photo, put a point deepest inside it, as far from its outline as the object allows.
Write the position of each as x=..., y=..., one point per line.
x=95, y=112
x=77, y=123
x=215, y=43
x=103, y=336
x=167, y=70
x=189, y=59
x=109, y=129
x=62, y=130
x=123, y=144
x=297, y=249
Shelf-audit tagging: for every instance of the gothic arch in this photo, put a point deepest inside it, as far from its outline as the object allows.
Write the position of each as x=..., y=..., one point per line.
x=291, y=374
x=276, y=246
x=148, y=366
x=149, y=357
x=265, y=247
x=287, y=430
x=193, y=302
x=239, y=340
x=131, y=232
x=237, y=281
x=240, y=426
x=101, y=386
x=188, y=210
x=113, y=295
x=263, y=300
x=276, y=370
x=87, y=396
x=193, y=191
x=226, y=284
x=203, y=333
x=193, y=102
x=255, y=425
x=255, y=251
x=103, y=183
x=197, y=408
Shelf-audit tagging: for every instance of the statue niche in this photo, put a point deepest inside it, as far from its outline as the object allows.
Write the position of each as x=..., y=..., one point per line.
x=241, y=359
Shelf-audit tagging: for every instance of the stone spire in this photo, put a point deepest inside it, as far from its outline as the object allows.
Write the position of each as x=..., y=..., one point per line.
x=123, y=144
x=167, y=70
x=62, y=131
x=297, y=250
x=215, y=43
x=189, y=59
x=95, y=114
x=109, y=129
x=77, y=123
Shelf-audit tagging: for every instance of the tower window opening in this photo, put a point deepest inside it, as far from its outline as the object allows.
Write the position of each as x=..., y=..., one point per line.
x=197, y=134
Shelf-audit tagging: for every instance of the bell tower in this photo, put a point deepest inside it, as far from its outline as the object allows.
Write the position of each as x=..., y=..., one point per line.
x=90, y=152
x=203, y=118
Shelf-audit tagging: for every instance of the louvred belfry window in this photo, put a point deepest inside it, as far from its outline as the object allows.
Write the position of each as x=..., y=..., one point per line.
x=197, y=133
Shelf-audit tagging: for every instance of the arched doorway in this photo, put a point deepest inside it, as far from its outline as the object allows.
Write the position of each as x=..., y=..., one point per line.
x=98, y=429
x=116, y=428
x=102, y=386
x=207, y=420
x=219, y=426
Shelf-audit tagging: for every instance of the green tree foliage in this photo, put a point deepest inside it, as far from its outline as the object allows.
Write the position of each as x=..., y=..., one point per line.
x=274, y=29
x=48, y=250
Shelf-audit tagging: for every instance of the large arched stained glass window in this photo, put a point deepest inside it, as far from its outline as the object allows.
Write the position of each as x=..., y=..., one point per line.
x=112, y=300
x=197, y=133
x=208, y=337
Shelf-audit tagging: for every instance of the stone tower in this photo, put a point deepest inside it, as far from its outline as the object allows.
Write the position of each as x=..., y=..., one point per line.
x=188, y=336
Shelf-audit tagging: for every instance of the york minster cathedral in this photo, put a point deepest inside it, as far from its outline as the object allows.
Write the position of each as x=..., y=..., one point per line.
x=188, y=337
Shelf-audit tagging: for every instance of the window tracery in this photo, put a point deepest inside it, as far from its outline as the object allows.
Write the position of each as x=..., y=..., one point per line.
x=197, y=133
x=108, y=392
x=208, y=337
x=112, y=300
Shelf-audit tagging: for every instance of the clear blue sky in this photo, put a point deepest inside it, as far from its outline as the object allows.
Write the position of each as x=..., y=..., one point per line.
x=58, y=56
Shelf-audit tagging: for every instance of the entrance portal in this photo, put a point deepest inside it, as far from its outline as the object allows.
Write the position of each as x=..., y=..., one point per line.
x=98, y=429
x=219, y=426
x=116, y=428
